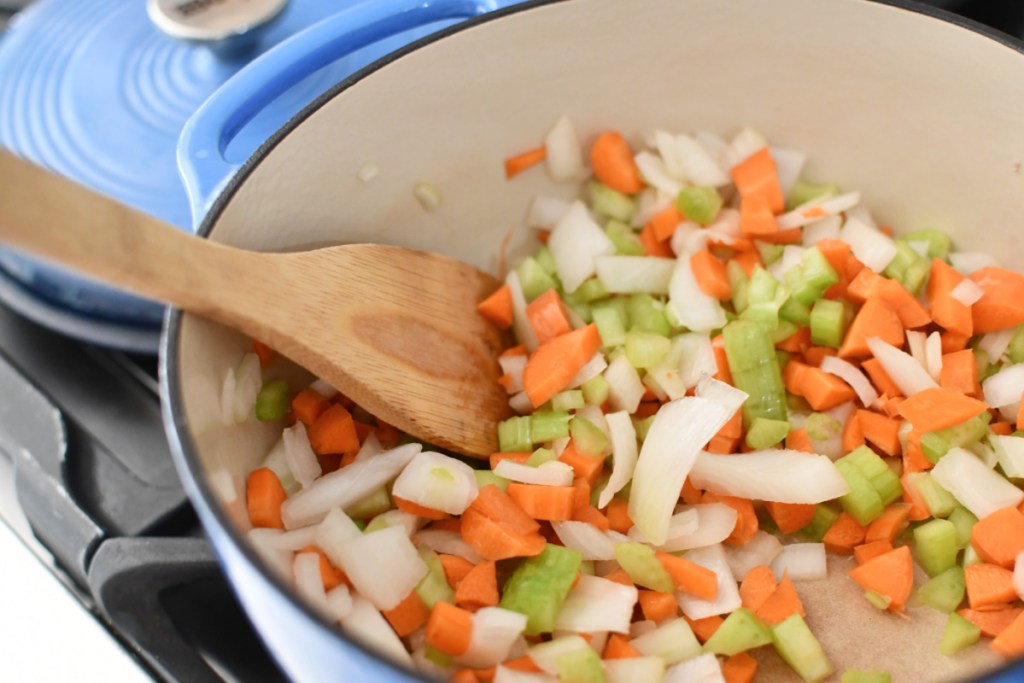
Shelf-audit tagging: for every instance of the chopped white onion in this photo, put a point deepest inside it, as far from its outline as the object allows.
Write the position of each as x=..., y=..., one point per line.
x=693, y=308
x=513, y=366
x=654, y=172
x=546, y=655
x=437, y=481
x=593, y=543
x=973, y=484
x=302, y=461
x=366, y=624
x=850, y=374
x=712, y=143
x=791, y=257
x=818, y=210
x=241, y=387
x=649, y=203
x=874, y=248
x=448, y=543
x=633, y=669
x=371, y=447
x=1009, y=451
x=678, y=432
x=683, y=523
x=744, y=143
x=904, y=371
x=788, y=165
x=551, y=473
x=760, y=550
x=575, y=243
x=694, y=162
x=1005, y=387
x=339, y=602
x=631, y=274
x=223, y=484
x=593, y=367
x=622, y=434
x=494, y=632
x=822, y=229
x=521, y=403
x=309, y=583
x=597, y=604
x=727, y=395
x=399, y=518
x=624, y=386
x=775, y=475
x=346, y=486
x=383, y=566
x=293, y=540
x=334, y=533
x=564, y=152
x=994, y=344
x=933, y=355
x=728, y=597
x=802, y=561
x=689, y=237
x=915, y=343
x=672, y=640
x=715, y=522
x=545, y=212
x=703, y=668
x=520, y=323
x=323, y=388
x=969, y=262
x=967, y=292
x=278, y=559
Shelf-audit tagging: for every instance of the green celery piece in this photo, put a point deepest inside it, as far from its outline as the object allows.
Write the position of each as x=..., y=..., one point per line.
x=740, y=284
x=984, y=364
x=936, y=444
x=591, y=290
x=645, y=349
x=822, y=426
x=801, y=650
x=547, y=425
x=877, y=600
x=1015, y=350
x=608, y=202
x=865, y=676
x=882, y=478
x=765, y=433
x=970, y=557
x=644, y=568
x=803, y=192
x=539, y=585
x=588, y=437
x=939, y=242
x=828, y=321
x=514, y=435
x=611, y=324
x=964, y=521
x=699, y=204
x=546, y=260
x=273, y=401
x=908, y=267
x=571, y=399
x=795, y=312
x=863, y=501
x=944, y=591
x=371, y=505
x=541, y=456
x=598, y=487
x=486, y=477
x=673, y=641
x=376, y=524
x=442, y=659
x=580, y=666
x=578, y=306
x=588, y=568
x=648, y=314
x=741, y=631
x=770, y=253
x=534, y=279
x=958, y=634
x=940, y=502
x=625, y=239
x=642, y=426
x=782, y=357
x=935, y=546
x=433, y=587
x=765, y=315
x=755, y=370
x=824, y=517
x=808, y=281
x=595, y=390
x=763, y=287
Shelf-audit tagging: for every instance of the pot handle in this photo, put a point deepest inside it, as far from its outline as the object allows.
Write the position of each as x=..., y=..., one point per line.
x=205, y=137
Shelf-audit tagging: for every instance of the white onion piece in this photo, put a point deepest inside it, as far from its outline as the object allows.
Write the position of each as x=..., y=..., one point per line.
x=371, y=447
x=558, y=446
x=692, y=307
x=564, y=153
x=696, y=163
x=703, y=668
x=728, y=598
x=715, y=522
x=593, y=543
x=788, y=165
x=597, y=604
x=520, y=323
x=302, y=461
x=933, y=355
x=223, y=484
x=624, y=455
x=346, y=486
x=994, y=344
x=551, y=473
x=822, y=229
x=624, y=386
x=506, y=675
x=689, y=358
x=495, y=630
x=1005, y=387
x=323, y=388
x=760, y=550
x=906, y=372
x=383, y=566
x=688, y=237
x=278, y=559
x=1018, y=575
x=915, y=344
x=632, y=274
x=575, y=243
x=672, y=640
x=437, y=481
x=633, y=669
x=967, y=292
x=653, y=171
x=987, y=455
x=366, y=624
x=802, y=561
x=683, y=523
x=850, y=374
x=275, y=460
x=339, y=602
x=678, y=432
x=448, y=543
x=1009, y=452
x=649, y=203
x=920, y=247
x=969, y=262
x=293, y=540
x=791, y=257
x=333, y=533
x=545, y=212
x=727, y=395
x=513, y=366
x=775, y=475
x=816, y=210
x=713, y=143
x=666, y=146
x=546, y=655
x=240, y=389
x=592, y=368
x=402, y=519
x=743, y=144
x=973, y=484
x=874, y=248
x=521, y=403
x=309, y=584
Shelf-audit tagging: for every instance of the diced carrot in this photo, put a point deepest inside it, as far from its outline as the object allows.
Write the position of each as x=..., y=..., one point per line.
x=947, y=311
x=891, y=575
x=664, y=223
x=791, y=517
x=881, y=431
x=798, y=342
x=992, y=622
x=756, y=217
x=1010, y=643
x=363, y=430
x=757, y=586
x=704, y=628
x=263, y=498
x=757, y=176
x=710, y=275
x=1002, y=428
x=879, y=377
x=746, y=518
x=835, y=252
x=868, y=551
x=588, y=467
x=308, y=405
x=514, y=457
x=821, y=389
x=580, y=494
x=814, y=355
x=852, y=437
x=334, y=431
x=516, y=164
x=417, y=509
x=739, y=668
x=728, y=437
x=999, y=537
x=748, y=259
x=619, y=647
x=497, y=528
x=550, y=503
x=479, y=588
x=874, y=319
x=408, y=616
x=914, y=459
x=799, y=440
x=938, y=408
x=652, y=245
x=657, y=606
x=690, y=577
x=868, y=284
x=619, y=576
x=788, y=236
x=498, y=307
x=891, y=404
x=618, y=515
x=523, y=663
x=547, y=316
x=331, y=575
x=591, y=515
x=954, y=342
x=918, y=505
x=988, y=585
x=690, y=494
x=263, y=352
x=845, y=534
x=495, y=504
x=455, y=568
x=449, y=629
x=613, y=163
x=1002, y=305
x=783, y=603
x=448, y=524
x=890, y=524
x=960, y=373
x=553, y=365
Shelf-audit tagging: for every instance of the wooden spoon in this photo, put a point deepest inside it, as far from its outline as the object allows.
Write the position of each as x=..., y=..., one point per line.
x=394, y=329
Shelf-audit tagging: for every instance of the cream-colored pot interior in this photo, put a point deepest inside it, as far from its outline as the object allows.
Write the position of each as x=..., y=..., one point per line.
x=921, y=115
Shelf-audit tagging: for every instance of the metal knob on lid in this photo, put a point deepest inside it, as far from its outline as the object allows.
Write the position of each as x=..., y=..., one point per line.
x=225, y=25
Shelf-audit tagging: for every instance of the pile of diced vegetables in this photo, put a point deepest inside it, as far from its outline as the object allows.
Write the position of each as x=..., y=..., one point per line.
x=722, y=373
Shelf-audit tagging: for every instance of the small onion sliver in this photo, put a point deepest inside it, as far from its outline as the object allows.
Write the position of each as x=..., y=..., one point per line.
x=801, y=561
x=906, y=372
x=773, y=475
x=551, y=473
x=852, y=376
x=967, y=292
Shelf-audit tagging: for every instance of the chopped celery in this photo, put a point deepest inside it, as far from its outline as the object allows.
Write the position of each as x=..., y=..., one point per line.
x=626, y=241
x=984, y=364
x=822, y=426
x=765, y=433
x=595, y=390
x=964, y=521
x=441, y=659
x=795, y=312
x=611, y=324
x=755, y=370
x=547, y=425
x=877, y=600
x=642, y=426
x=580, y=666
x=699, y=204
x=673, y=641
x=865, y=676
x=935, y=546
x=371, y=505
x=645, y=349
x=541, y=456
x=803, y=192
x=539, y=585
x=808, y=281
x=936, y=444
x=486, y=477
x=546, y=260
x=908, y=267
x=763, y=287
x=863, y=501
x=571, y=399
x=587, y=567
x=882, y=478
x=591, y=290
x=940, y=502
x=608, y=202
x=644, y=568
x=578, y=306
x=970, y=557
x=740, y=284
x=534, y=279
x=939, y=243
x=1016, y=348
x=783, y=331
x=828, y=320
x=958, y=634
x=588, y=437
x=944, y=591
x=648, y=314
x=824, y=517
x=770, y=253
x=801, y=650
x=273, y=401
x=434, y=586
x=514, y=435
x=782, y=357
x=741, y=631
